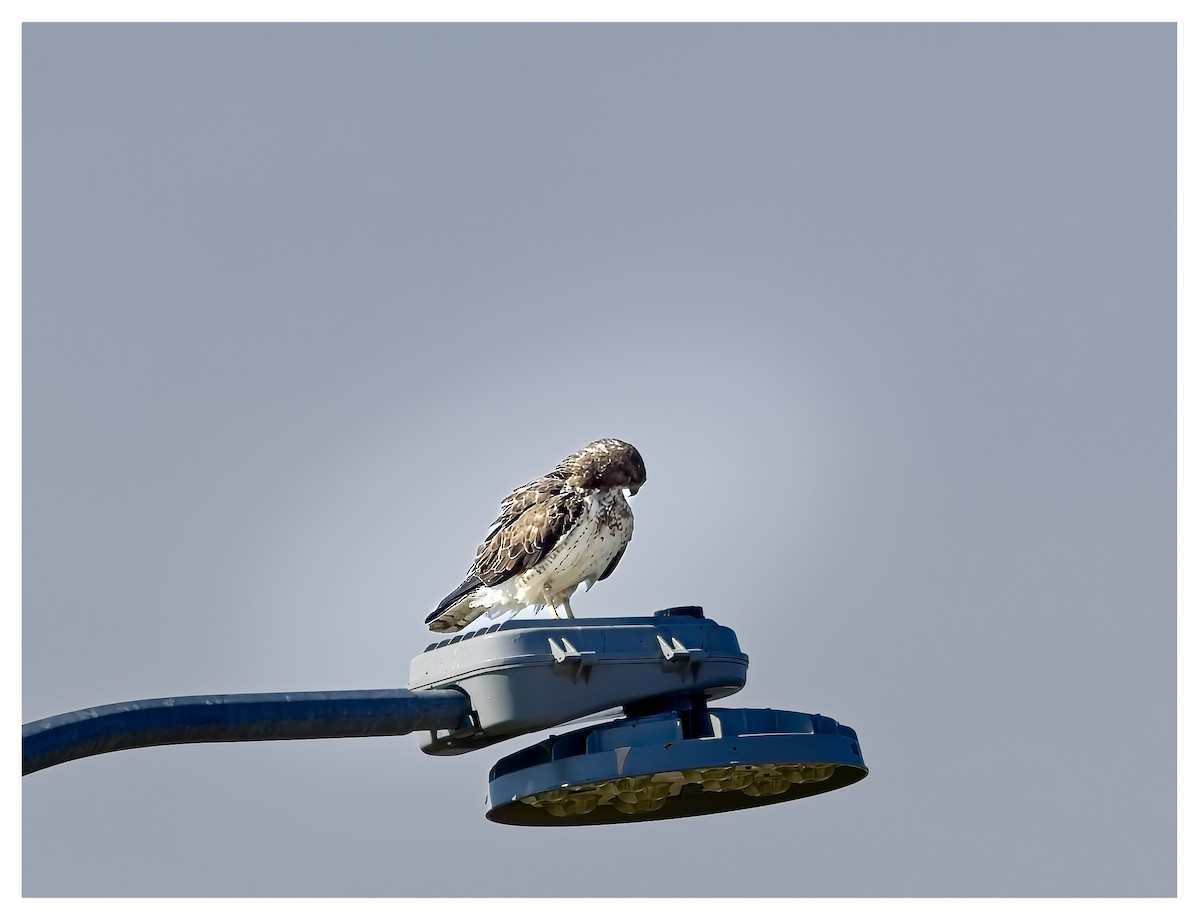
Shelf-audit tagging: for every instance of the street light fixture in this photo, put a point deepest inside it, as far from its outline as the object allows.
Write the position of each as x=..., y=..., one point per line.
x=669, y=756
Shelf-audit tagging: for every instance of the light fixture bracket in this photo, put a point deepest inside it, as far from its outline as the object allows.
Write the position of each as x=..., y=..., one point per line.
x=530, y=675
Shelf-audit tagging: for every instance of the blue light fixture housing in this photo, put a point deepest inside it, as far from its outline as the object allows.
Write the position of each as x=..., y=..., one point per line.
x=688, y=761
x=670, y=756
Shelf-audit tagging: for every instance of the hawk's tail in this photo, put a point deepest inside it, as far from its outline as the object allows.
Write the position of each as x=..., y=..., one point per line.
x=455, y=611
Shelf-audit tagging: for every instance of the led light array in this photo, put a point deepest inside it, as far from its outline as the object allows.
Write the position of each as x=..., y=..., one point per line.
x=650, y=792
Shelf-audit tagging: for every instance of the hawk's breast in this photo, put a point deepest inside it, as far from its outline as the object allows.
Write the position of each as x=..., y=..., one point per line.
x=583, y=553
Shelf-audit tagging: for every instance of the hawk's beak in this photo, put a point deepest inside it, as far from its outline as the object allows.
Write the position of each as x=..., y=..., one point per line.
x=633, y=490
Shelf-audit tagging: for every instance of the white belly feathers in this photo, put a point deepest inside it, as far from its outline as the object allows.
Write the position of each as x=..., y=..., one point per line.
x=580, y=558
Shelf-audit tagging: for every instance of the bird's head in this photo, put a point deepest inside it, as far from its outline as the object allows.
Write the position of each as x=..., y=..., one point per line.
x=604, y=464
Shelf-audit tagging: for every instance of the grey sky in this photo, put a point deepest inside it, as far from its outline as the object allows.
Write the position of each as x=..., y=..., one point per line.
x=888, y=310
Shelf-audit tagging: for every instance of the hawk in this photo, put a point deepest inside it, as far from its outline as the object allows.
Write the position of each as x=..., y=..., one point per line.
x=562, y=530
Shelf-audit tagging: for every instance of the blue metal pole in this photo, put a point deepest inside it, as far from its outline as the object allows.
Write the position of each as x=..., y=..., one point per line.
x=237, y=718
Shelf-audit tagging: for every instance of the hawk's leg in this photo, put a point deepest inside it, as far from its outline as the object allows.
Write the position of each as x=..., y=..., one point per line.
x=566, y=603
x=550, y=603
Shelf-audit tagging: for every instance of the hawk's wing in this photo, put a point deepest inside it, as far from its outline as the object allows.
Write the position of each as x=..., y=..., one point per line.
x=533, y=518
x=613, y=565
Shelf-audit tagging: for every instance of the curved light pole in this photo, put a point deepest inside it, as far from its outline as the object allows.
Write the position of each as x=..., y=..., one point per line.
x=237, y=718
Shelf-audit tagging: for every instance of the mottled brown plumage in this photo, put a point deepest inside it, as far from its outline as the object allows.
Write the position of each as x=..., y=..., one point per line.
x=554, y=533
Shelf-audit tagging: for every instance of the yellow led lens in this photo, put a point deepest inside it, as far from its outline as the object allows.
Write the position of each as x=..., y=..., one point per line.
x=768, y=786
x=644, y=793
x=575, y=804
x=641, y=805
x=724, y=780
x=807, y=773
